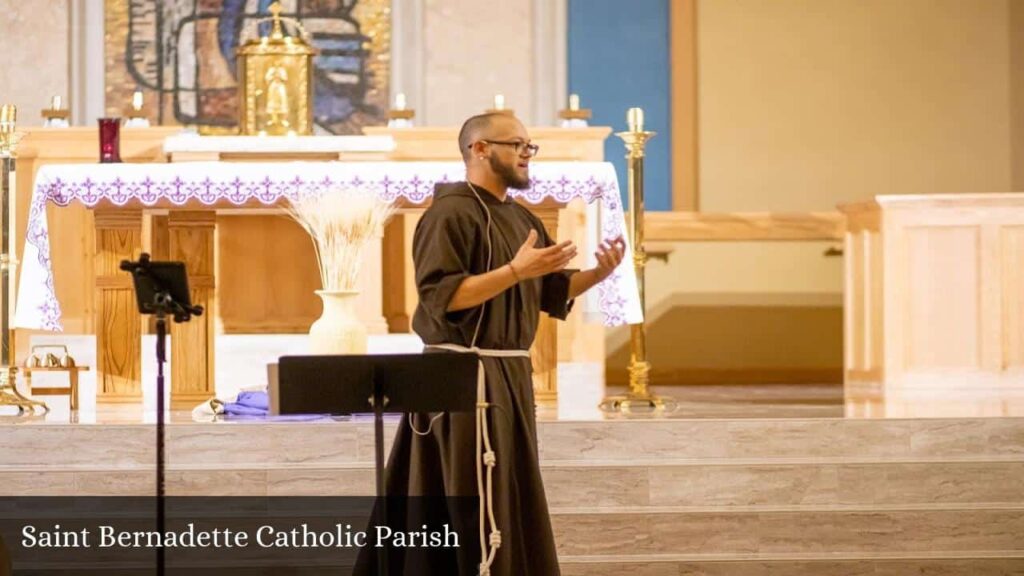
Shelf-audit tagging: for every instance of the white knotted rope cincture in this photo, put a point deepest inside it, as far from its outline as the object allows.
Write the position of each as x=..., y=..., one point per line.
x=485, y=456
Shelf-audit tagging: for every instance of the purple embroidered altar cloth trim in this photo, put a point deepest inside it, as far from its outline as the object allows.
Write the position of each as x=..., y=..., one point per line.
x=214, y=183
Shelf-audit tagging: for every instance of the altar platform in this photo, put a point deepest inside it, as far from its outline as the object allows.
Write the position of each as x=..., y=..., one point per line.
x=823, y=487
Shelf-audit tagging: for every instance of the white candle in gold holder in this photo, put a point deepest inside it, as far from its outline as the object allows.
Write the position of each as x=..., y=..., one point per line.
x=574, y=116
x=635, y=119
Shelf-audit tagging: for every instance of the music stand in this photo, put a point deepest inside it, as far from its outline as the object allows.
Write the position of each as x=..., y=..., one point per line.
x=346, y=384
x=161, y=288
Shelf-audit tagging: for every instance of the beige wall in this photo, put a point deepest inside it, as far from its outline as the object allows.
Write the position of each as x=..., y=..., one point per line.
x=1016, y=24
x=804, y=104
x=34, y=47
x=472, y=51
x=807, y=103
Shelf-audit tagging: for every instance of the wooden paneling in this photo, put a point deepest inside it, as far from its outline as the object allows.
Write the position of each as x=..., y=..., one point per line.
x=396, y=274
x=685, y=157
x=278, y=252
x=118, y=324
x=700, y=227
x=191, y=240
x=935, y=300
x=1012, y=245
x=544, y=352
x=942, y=314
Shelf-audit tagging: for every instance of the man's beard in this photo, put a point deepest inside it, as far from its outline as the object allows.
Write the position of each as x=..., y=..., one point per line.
x=508, y=175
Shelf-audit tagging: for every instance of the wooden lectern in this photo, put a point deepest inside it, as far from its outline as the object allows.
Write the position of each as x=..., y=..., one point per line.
x=935, y=292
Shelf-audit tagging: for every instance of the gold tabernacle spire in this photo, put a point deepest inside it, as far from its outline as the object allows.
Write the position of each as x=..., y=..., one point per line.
x=275, y=12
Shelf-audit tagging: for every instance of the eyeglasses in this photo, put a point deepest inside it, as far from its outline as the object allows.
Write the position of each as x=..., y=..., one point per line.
x=530, y=148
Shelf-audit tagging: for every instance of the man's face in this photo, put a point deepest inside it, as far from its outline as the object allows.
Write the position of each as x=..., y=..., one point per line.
x=510, y=157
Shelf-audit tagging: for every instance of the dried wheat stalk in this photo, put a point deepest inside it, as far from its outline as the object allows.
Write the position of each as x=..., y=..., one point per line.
x=340, y=221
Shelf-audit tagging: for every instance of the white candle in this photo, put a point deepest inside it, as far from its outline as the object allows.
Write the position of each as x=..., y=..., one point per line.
x=574, y=101
x=137, y=100
x=55, y=103
x=635, y=119
x=499, y=101
x=400, y=101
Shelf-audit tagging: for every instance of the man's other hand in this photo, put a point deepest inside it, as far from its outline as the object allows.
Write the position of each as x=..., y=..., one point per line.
x=531, y=262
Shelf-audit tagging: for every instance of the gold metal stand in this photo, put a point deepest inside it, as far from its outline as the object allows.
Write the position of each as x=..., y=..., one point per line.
x=639, y=399
x=9, y=395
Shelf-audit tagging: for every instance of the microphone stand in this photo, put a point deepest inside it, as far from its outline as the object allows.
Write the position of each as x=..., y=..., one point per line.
x=162, y=305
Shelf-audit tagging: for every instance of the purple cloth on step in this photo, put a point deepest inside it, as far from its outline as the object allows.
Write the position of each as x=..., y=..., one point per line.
x=249, y=404
x=255, y=406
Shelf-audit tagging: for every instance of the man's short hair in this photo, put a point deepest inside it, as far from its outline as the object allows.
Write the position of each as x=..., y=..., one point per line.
x=472, y=129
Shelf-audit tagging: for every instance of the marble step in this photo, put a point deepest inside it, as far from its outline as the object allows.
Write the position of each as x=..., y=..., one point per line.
x=639, y=442
x=995, y=563
x=676, y=566
x=1010, y=564
x=692, y=485
x=819, y=532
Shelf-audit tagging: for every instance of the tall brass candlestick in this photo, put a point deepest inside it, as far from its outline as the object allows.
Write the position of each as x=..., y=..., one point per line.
x=639, y=398
x=9, y=395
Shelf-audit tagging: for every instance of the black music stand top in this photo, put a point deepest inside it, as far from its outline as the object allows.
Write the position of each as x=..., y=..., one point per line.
x=345, y=384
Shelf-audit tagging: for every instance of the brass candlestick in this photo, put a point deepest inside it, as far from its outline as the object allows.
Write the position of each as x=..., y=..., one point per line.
x=639, y=398
x=499, y=106
x=400, y=115
x=9, y=395
x=136, y=117
x=56, y=116
x=574, y=116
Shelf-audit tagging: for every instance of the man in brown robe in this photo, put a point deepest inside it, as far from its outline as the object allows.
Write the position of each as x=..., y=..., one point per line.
x=485, y=269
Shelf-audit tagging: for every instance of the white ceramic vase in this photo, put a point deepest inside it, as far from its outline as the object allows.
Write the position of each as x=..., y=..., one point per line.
x=338, y=330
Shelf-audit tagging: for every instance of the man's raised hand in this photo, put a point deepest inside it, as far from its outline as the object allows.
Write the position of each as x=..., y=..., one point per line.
x=609, y=255
x=531, y=262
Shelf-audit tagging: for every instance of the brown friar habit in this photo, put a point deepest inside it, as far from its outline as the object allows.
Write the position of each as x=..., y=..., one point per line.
x=450, y=244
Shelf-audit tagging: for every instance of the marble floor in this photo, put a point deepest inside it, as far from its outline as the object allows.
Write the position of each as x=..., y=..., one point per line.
x=578, y=403
x=242, y=360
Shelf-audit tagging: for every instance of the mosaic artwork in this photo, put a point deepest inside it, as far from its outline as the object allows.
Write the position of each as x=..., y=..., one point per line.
x=181, y=54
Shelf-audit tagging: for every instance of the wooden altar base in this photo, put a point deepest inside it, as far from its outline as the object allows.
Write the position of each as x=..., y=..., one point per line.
x=735, y=494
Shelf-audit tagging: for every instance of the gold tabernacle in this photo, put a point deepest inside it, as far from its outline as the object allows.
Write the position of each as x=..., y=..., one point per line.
x=275, y=87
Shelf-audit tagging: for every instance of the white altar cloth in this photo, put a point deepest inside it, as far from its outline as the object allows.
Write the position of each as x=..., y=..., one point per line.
x=209, y=183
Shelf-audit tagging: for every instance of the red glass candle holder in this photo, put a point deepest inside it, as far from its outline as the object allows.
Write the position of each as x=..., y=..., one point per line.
x=110, y=140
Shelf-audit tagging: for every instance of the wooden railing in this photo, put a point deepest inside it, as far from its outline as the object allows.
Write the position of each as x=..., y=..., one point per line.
x=743, y=226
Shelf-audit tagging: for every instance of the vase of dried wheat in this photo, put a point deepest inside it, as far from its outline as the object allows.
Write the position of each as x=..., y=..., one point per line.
x=340, y=221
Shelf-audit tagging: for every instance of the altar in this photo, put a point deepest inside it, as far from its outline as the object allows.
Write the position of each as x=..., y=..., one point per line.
x=223, y=217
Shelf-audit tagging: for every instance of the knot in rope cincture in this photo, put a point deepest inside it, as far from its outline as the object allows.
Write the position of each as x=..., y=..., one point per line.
x=490, y=459
x=496, y=539
x=485, y=569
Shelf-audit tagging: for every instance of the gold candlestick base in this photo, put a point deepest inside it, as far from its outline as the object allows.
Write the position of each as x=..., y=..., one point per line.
x=639, y=400
x=9, y=395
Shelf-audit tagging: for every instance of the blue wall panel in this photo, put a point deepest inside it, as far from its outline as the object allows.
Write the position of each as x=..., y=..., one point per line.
x=618, y=59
